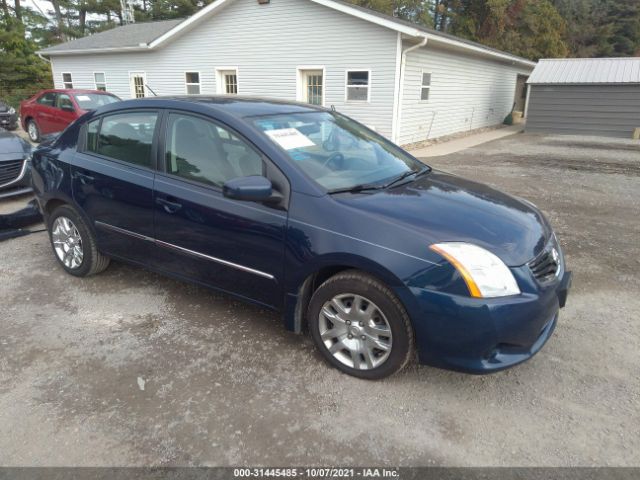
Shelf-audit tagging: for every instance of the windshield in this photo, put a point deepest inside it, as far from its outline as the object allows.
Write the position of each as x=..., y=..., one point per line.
x=337, y=152
x=91, y=101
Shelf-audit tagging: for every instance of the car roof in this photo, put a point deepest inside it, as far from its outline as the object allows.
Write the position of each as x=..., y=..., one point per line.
x=237, y=106
x=73, y=90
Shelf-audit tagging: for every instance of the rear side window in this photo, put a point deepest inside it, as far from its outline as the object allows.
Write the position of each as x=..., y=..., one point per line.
x=202, y=151
x=127, y=137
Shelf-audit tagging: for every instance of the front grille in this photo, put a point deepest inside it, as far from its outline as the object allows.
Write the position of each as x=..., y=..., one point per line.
x=546, y=266
x=9, y=171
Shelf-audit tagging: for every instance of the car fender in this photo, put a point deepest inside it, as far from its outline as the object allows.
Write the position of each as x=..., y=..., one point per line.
x=302, y=282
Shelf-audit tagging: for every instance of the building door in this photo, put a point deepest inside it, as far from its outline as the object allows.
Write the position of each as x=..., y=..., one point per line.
x=138, y=81
x=313, y=86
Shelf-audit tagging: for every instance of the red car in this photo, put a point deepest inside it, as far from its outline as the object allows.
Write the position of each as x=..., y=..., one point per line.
x=50, y=111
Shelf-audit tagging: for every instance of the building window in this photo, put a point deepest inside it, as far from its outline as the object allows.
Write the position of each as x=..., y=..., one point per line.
x=193, y=83
x=311, y=85
x=138, y=81
x=67, y=82
x=228, y=81
x=358, y=85
x=100, y=81
x=426, y=86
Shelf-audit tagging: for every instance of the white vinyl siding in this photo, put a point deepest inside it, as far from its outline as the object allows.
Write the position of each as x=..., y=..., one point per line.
x=275, y=39
x=465, y=92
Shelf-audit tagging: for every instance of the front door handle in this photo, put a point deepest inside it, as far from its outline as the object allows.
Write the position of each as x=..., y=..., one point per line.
x=169, y=206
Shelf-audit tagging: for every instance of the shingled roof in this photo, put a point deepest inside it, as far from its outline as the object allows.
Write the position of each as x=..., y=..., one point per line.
x=135, y=35
x=149, y=36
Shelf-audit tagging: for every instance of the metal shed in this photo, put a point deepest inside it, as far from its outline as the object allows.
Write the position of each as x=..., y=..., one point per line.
x=589, y=96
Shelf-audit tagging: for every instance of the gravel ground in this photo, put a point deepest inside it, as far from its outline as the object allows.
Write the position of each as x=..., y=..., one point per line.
x=130, y=368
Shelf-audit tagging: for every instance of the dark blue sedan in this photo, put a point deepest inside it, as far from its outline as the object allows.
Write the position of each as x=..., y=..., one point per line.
x=308, y=212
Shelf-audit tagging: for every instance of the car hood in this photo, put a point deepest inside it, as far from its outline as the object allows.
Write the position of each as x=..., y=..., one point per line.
x=11, y=144
x=441, y=207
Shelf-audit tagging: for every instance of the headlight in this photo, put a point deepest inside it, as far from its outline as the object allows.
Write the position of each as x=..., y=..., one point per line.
x=485, y=274
x=12, y=111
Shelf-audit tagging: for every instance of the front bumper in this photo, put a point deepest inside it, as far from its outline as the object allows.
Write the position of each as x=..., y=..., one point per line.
x=9, y=121
x=487, y=335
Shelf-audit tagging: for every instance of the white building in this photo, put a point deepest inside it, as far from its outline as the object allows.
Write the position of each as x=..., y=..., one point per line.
x=408, y=82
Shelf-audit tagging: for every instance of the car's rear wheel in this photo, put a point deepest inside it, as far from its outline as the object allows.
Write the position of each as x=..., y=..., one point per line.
x=33, y=131
x=360, y=326
x=73, y=243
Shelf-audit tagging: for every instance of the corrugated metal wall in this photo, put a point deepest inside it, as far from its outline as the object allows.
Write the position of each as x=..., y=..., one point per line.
x=605, y=110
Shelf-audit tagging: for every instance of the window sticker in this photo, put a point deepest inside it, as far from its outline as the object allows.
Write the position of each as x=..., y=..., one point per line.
x=83, y=98
x=289, y=138
x=298, y=155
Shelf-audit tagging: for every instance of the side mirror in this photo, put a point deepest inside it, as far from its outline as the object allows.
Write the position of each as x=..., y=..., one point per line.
x=254, y=188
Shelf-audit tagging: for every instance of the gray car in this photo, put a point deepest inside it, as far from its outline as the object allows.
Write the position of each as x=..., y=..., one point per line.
x=15, y=165
x=8, y=116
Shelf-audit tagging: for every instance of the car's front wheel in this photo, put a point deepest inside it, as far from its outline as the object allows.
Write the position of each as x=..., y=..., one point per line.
x=74, y=244
x=33, y=131
x=360, y=326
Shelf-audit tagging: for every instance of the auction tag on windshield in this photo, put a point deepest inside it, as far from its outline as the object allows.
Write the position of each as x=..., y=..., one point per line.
x=289, y=138
x=83, y=98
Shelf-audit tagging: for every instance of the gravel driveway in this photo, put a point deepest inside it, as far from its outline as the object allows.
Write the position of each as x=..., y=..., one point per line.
x=131, y=368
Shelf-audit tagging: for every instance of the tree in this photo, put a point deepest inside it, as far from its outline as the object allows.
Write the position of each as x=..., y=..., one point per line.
x=21, y=70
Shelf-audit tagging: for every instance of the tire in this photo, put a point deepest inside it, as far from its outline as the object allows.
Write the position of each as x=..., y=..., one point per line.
x=84, y=261
x=33, y=131
x=359, y=337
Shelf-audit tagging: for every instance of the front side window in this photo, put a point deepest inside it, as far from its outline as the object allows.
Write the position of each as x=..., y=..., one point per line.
x=335, y=151
x=193, y=83
x=48, y=99
x=426, y=86
x=63, y=102
x=202, y=151
x=67, y=81
x=100, y=81
x=358, y=86
x=127, y=137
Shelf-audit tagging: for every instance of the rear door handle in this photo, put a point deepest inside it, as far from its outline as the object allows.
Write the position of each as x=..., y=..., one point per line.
x=84, y=178
x=169, y=206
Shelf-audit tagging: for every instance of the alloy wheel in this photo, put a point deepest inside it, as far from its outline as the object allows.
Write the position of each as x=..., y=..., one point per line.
x=32, y=130
x=355, y=331
x=67, y=242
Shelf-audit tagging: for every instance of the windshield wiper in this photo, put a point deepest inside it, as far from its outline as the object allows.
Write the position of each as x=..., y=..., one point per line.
x=375, y=186
x=406, y=175
x=357, y=188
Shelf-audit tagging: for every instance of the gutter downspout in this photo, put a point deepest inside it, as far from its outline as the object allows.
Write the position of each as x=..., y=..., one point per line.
x=403, y=64
x=42, y=58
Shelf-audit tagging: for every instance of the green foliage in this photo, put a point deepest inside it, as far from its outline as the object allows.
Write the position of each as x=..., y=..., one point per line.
x=21, y=70
x=530, y=28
